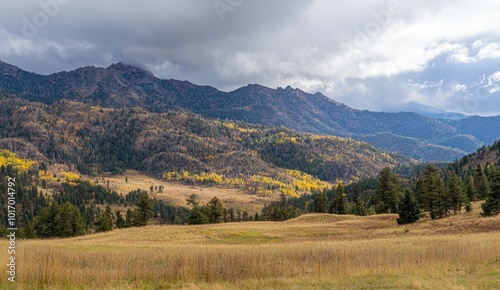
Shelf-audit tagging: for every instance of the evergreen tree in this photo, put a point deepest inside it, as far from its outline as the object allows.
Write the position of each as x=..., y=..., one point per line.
x=320, y=202
x=231, y=215
x=388, y=193
x=481, y=183
x=177, y=220
x=359, y=207
x=29, y=230
x=339, y=203
x=442, y=203
x=471, y=189
x=120, y=222
x=144, y=210
x=69, y=222
x=214, y=210
x=468, y=205
x=105, y=221
x=196, y=217
x=44, y=223
x=491, y=206
x=60, y=221
x=431, y=193
x=456, y=193
x=409, y=210
x=129, y=218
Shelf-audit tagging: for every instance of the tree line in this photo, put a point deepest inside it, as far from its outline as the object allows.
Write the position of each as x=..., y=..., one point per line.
x=438, y=193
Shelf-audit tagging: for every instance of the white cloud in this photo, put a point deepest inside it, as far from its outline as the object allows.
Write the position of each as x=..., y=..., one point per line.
x=493, y=82
x=425, y=84
x=460, y=88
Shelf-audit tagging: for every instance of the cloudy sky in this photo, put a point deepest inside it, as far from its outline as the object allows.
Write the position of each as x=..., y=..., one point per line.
x=377, y=54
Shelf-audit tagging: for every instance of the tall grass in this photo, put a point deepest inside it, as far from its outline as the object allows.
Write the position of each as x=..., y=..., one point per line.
x=292, y=253
x=42, y=264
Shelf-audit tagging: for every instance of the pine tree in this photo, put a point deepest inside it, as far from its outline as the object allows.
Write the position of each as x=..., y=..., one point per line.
x=442, y=201
x=471, y=189
x=339, y=203
x=177, y=220
x=492, y=170
x=105, y=222
x=320, y=202
x=196, y=217
x=144, y=210
x=409, y=210
x=359, y=207
x=431, y=193
x=491, y=206
x=388, y=193
x=456, y=193
x=215, y=210
x=468, y=205
x=120, y=222
x=129, y=218
x=481, y=183
x=60, y=221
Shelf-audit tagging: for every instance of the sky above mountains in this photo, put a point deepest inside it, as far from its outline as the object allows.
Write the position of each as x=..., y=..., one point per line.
x=378, y=55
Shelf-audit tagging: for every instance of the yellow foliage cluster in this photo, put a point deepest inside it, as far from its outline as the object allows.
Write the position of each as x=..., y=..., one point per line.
x=9, y=158
x=306, y=182
x=204, y=178
x=282, y=138
x=233, y=126
x=258, y=184
x=49, y=179
x=71, y=177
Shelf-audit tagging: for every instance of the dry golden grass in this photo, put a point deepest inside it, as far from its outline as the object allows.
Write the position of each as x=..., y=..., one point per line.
x=311, y=252
x=177, y=193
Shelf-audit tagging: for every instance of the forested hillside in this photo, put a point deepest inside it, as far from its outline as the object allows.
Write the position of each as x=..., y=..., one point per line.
x=91, y=140
x=125, y=86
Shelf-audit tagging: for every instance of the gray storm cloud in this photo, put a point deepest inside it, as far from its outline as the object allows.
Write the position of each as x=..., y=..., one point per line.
x=360, y=53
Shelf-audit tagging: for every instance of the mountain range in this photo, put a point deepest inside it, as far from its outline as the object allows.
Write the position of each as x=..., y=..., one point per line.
x=124, y=86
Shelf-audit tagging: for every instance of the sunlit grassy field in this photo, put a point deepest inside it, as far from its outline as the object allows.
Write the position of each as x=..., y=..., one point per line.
x=317, y=251
x=176, y=193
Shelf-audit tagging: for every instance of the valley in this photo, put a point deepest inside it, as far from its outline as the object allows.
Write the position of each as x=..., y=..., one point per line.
x=127, y=181
x=231, y=144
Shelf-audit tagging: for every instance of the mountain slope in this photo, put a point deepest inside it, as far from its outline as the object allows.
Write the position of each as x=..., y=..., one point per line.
x=93, y=139
x=414, y=147
x=483, y=156
x=122, y=86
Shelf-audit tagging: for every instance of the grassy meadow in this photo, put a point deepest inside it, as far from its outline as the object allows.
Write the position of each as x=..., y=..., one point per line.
x=176, y=193
x=315, y=251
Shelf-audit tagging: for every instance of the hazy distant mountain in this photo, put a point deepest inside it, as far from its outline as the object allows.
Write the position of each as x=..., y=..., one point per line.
x=122, y=85
x=428, y=111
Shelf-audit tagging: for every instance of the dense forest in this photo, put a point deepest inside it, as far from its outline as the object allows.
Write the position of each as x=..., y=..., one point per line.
x=93, y=140
x=421, y=190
